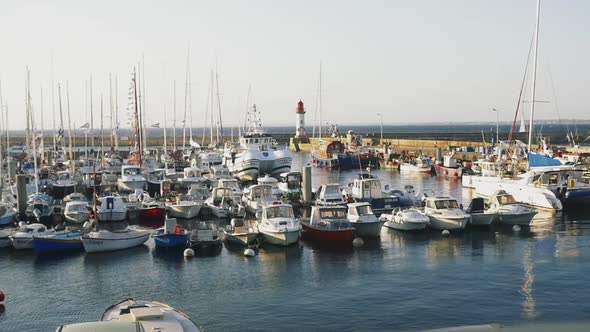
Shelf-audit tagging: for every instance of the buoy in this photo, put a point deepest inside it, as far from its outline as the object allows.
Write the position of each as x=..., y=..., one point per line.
x=446, y=233
x=516, y=228
x=249, y=252
x=22, y=224
x=188, y=252
x=358, y=242
x=1, y=296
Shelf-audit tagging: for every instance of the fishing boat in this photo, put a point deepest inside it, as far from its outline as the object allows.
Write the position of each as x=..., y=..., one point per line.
x=111, y=208
x=410, y=219
x=241, y=232
x=77, y=212
x=330, y=194
x=278, y=224
x=365, y=223
x=132, y=315
x=64, y=185
x=223, y=205
x=23, y=237
x=449, y=167
x=60, y=242
x=205, y=238
x=192, y=176
x=7, y=214
x=328, y=224
x=256, y=196
x=131, y=178
x=420, y=164
x=445, y=213
x=508, y=211
x=104, y=240
x=256, y=152
x=370, y=190
x=290, y=187
x=172, y=235
x=330, y=154
x=480, y=216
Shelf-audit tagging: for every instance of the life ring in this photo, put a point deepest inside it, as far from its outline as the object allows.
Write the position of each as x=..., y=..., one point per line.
x=177, y=230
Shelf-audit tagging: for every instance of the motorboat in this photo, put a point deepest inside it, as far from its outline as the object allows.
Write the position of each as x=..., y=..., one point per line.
x=23, y=238
x=205, y=238
x=290, y=187
x=184, y=207
x=241, y=232
x=274, y=183
x=73, y=197
x=110, y=208
x=77, y=212
x=64, y=185
x=131, y=178
x=508, y=211
x=105, y=240
x=144, y=316
x=172, y=235
x=278, y=224
x=256, y=196
x=330, y=194
x=445, y=213
x=364, y=221
x=59, y=242
x=154, y=180
x=328, y=224
x=408, y=197
x=234, y=185
x=223, y=205
x=40, y=209
x=7, y=214
x=418, y=165
x=192, y=176
x=256, y=153
x=216, y=173
x=370, y=190
x=480, y=216
x=410, y=219
x=152, y=213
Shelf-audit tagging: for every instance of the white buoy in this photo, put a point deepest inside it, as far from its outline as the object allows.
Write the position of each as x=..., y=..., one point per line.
x=516, y=228
x=358, y=242
x=188, y=252
x=249, y=252
x=446, y=233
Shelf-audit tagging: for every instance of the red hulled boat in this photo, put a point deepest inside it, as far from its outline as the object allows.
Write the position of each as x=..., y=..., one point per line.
x=328, y=224
x=152, y=214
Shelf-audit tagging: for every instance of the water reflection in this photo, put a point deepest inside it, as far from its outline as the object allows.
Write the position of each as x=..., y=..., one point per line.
x=528, y=301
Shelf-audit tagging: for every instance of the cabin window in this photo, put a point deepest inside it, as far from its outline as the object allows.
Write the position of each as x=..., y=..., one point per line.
x=430, y=204
x=333, y=214
x=447, y=204
x=506, y=200
x=364, y=210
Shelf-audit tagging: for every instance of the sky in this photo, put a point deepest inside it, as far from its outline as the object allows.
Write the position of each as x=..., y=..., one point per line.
x=411, y=61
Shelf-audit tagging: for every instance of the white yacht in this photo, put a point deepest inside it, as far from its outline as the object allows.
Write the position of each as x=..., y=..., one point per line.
x=508, y=211
x=410, y=219
x=418, y=165
x=364, y=221
x=445, y=213
x=64, y=185
x=192, y=176
x=105, y=240
x=278, y=225
x=111, y=208
x=256, y=154
x=77, y=212
x=274, y=183
x=222, y=204
x=329, y=194
x=184, y=207
x=241, y=232
x=256, y=196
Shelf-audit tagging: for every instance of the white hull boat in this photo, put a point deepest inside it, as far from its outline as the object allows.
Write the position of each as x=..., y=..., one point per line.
x=184, y=209
x=103, y=240
x=508, y=211
x=364, y=221
x=444, y=214
x=241, y=232
x=406, y=220
x=77, y=212
x=278, y=225
x=280, y=238
x=23, y=238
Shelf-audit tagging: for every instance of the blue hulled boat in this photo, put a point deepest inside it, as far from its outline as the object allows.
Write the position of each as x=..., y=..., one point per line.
x=368, y=189
x=171, y=235
x=67, y=241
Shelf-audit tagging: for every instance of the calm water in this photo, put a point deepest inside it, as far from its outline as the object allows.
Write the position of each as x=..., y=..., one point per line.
x=402, y=282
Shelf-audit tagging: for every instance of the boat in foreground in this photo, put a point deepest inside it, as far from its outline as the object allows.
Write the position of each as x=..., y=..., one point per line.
x=364, y=221
x=328, y=224
x=241, y=232
x=104, y=240
x=23, y=238
x=67, y=241
x=172, y=235
x=205, y=238
x=278, y=225
x=508, y=211
x=445, y=214
x=406, y=220
x=479, y=215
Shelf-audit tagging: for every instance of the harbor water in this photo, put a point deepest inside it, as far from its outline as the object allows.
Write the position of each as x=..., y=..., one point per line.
x=402, y=282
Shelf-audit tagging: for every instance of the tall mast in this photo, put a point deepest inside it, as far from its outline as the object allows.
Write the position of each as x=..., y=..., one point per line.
x=174, y=119
x=32, y=124
x=101, y=130
x=61, y=121
x=42, y=145
x=111, y=106
x=185, y=100
x=320, y=102
x=534, y=84
x=69, y=125
x=143, y=109
x=116, y=133
x=91, y=116
x=137, y=122
x=220, y=123
x=212, y=101
x=53, y=103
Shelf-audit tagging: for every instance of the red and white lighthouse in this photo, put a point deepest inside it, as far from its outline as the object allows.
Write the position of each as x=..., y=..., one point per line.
x=300, y=118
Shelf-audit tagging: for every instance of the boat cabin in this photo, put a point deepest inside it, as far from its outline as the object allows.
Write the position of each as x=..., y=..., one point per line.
x=290, y=181
x=130, y=170
x=192, y=172
x=360, y=209
x=501, y=197
x=64, y=176
x=221, y=195
x=330, y=194
x=441, y=203
x=259, y=192
x=277, y=211
x=367, y=188
x=329, y=217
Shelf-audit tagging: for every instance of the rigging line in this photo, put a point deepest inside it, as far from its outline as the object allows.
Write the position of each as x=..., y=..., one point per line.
x=511, y=136
x=555, y=99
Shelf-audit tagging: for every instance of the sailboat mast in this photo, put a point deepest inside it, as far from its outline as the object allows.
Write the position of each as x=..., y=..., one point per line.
x=111, y=106
x=320, y=102
x=137, y=122
x=534, y=83
x=116, y=133
x=32, y=124
x=42, y=145
x=185, y=101
x=101, y=130
x=61, y=120
x=53, y=103
x=69, y=125
x=211, y=108
x=174, y=119
x=91, y=116
x=220, y=122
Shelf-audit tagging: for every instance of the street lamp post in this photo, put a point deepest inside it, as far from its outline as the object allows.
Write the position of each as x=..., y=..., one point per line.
x=381, y=122
x=497, y=124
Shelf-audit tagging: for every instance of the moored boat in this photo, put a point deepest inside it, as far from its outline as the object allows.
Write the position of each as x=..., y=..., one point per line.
x=410, y=219
x=241, y=232
x=60, y=242
x=131, y=178
x=111, y=208
x=105, y=240
x=480, y=216
x=508, y=211
x=445, y=214
x=23, y=238
x=417, y=165
x=205, y=238
x=278, y=224
x=328, y=224
x=364, y=221
x=172, y=235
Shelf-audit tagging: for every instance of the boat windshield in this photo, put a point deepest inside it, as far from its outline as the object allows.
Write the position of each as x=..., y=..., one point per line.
x=506, y=199
x=293, y=181
x=363, y=210
x=332, y=190
x=446, y=204
x=279, y=212
x=77, y=208
x=132, y=171
x=332, y=213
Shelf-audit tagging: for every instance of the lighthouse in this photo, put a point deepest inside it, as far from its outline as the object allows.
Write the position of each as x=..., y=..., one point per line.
x=300, y=117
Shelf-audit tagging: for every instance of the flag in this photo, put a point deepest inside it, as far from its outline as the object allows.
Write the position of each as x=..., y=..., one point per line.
x=59, y=135
x=156, y=125
x=85, y=126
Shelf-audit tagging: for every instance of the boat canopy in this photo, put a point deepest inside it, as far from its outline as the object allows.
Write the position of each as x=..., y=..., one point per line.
x=102, y=327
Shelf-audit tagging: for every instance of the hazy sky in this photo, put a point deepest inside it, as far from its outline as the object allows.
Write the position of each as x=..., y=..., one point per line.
x=412, y=61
